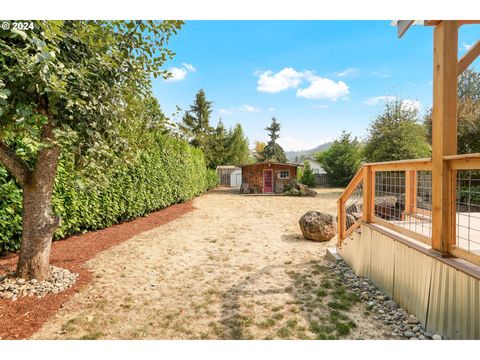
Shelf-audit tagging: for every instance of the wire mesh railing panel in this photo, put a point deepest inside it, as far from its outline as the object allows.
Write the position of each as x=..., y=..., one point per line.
x=403, y=203
x=354, y=206
x=424, y=190
x=468, y=211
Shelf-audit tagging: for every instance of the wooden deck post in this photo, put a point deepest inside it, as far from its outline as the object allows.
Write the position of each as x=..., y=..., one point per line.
x=410, y=191
x=368, y=195
x=444, y=132
x=340, y=221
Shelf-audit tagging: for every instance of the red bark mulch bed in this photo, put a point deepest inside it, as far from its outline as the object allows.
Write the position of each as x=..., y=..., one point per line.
x=23, y=317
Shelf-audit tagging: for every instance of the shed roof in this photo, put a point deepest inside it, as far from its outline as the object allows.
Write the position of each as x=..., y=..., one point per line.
x=268, y=163
x=227, y=167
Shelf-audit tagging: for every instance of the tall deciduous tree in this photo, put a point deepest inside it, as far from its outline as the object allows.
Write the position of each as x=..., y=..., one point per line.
x=68, y=82
x=342, y=160
x=468, y=113
x=258, y=151
x=272, y=150
x=397, y=134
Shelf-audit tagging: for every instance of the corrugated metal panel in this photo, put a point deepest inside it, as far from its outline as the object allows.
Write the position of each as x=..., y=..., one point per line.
x=469, y=310
x=411, y=282
x=441, y=318
x=365, y=252
x=419, y=283
x=350, y=251
x=454, y=303
x=382, y=261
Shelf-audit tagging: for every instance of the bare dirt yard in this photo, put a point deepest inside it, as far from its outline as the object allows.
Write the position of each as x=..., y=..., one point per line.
x=237, y=267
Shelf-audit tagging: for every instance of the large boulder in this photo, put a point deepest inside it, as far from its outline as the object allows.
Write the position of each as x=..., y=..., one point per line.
x=318, y=226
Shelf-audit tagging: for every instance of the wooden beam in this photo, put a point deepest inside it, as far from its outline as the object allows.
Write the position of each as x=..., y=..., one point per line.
x=444, y=131
x=468, y=22
x=469, y=57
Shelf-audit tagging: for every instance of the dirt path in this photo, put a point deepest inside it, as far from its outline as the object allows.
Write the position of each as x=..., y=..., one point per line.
x=237, y=267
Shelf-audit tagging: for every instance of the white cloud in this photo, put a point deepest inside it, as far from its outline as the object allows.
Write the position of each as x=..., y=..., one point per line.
x=178, y=73
x=189, y=67
x=289, y=78
x=350, y=72
x=409, y=104
x=378, y=99
x=244, y=108
x=283, y=80
x=322, y=88
x=224, y=111
x=250, y=108
x=272, y=109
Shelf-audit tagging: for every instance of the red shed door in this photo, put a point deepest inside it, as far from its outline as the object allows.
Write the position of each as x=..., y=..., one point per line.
x=267, y=181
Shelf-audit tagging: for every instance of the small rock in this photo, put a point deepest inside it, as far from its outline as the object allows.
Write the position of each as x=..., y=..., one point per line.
x=412, y=320
x=421, y=337
x=392, y=305
x=408, y=334
x=437, y=337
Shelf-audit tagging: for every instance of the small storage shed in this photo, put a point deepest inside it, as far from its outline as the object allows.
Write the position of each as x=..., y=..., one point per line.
x=224, y=173
x=236, y=179
x=266, y=177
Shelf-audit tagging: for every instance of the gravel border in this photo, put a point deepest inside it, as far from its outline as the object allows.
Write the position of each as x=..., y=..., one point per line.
x=12, y=287
x=385, y=309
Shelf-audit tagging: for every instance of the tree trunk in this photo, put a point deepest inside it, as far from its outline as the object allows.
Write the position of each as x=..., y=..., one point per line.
x=39, y=223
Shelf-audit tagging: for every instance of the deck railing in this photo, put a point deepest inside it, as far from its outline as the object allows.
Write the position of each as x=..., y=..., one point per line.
x=398, y=196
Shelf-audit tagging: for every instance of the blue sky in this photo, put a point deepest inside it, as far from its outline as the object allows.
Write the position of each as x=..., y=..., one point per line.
x=317, y=77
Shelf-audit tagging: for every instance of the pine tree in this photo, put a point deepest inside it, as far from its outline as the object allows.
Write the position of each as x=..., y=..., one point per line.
x=196, y=121
x=218, y=146
x=237, y=146
x=308, y=176
x=273, y=151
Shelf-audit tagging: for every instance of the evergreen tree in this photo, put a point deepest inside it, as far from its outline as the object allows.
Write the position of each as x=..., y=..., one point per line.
x=218, y=146
x=273, y=151
x=308, y=176
x=396, y=134
x=196, y=121
x=342, y=160
x=195, y=125
x=237, y=146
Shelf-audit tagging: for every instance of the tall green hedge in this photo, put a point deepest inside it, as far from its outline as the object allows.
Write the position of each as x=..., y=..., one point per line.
x=168, y=173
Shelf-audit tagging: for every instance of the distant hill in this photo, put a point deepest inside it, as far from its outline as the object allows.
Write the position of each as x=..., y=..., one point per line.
x=291, y=155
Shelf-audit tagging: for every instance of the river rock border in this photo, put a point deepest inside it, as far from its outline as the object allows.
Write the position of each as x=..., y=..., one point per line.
x=385, y=309
x=13, y=288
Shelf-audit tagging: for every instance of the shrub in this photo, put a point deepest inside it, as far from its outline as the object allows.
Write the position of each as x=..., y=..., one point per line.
x=308, y=176
x=168, y=173
x=212, y=179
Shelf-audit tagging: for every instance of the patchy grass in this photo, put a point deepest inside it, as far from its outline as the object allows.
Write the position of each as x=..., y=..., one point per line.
x=324, y=302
